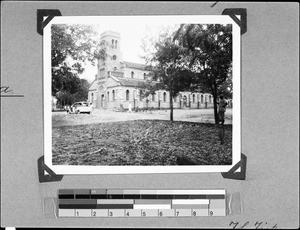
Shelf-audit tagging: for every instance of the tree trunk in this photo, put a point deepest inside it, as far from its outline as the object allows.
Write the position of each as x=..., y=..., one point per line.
x=216, y=110
x=171, y=107
x=215, y=95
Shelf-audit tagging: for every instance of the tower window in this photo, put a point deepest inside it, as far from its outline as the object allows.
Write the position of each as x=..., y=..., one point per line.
x=132, y=74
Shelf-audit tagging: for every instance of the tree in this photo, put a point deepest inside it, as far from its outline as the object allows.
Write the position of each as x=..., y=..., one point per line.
x=210, y=57
x=169, y=68
x=71, y=47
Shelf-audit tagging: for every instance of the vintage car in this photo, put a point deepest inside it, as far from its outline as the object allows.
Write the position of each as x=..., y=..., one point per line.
x=80, y=107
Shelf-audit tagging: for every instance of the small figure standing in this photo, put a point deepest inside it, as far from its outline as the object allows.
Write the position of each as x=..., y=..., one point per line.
x=222, y=109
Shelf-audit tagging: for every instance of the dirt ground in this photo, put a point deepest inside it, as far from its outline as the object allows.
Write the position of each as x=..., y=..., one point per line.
x=100, y=116
x=142, y=142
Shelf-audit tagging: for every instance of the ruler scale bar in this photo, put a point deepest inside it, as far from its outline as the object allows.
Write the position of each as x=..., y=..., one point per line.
x=141, y=203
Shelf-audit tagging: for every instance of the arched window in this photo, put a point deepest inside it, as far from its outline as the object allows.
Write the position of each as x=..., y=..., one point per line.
x=108, y=96
x=92, y=98
x=165, y=97
x=144, y=76
x=193, y=98
x=209, y=98
x=127, y=95
x=153, y=97
x=113, y=95
x=112, y=42
x=116, y=44
x=201, y=98
x=132, y=74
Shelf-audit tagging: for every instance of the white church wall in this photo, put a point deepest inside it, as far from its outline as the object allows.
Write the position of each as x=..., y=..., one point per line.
x=137, y=74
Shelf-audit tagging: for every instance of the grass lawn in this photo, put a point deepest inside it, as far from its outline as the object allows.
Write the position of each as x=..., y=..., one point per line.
x=141, y=142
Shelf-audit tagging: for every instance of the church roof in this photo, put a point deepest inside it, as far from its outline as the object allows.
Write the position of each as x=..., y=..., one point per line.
x=131, y=82
x=93, y=85
x=134, y=65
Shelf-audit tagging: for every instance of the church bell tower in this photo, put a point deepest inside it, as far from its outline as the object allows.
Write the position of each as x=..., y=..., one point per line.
x=111, y=41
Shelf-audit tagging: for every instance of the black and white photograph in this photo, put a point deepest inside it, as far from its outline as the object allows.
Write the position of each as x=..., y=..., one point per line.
x=123, y=91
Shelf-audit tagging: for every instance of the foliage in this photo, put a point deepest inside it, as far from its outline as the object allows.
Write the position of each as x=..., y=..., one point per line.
x=210, y=57
x=148, y=88
x=71, y=47
x=80, y=94
x=76, y=41
x=168, y=64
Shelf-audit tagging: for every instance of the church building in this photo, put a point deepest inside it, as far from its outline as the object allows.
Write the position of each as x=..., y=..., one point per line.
x=117, y=82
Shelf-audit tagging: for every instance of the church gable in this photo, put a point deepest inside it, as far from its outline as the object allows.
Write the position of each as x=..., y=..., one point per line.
x=112, y=81
x=93, y=85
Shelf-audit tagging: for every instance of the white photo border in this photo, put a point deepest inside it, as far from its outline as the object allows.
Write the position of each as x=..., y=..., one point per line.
x=170, y=19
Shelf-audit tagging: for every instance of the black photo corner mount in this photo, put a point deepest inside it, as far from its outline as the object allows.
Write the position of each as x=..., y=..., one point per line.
x=41, y=13
x=232, y=12
x=232, y=174
x=42, y=168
